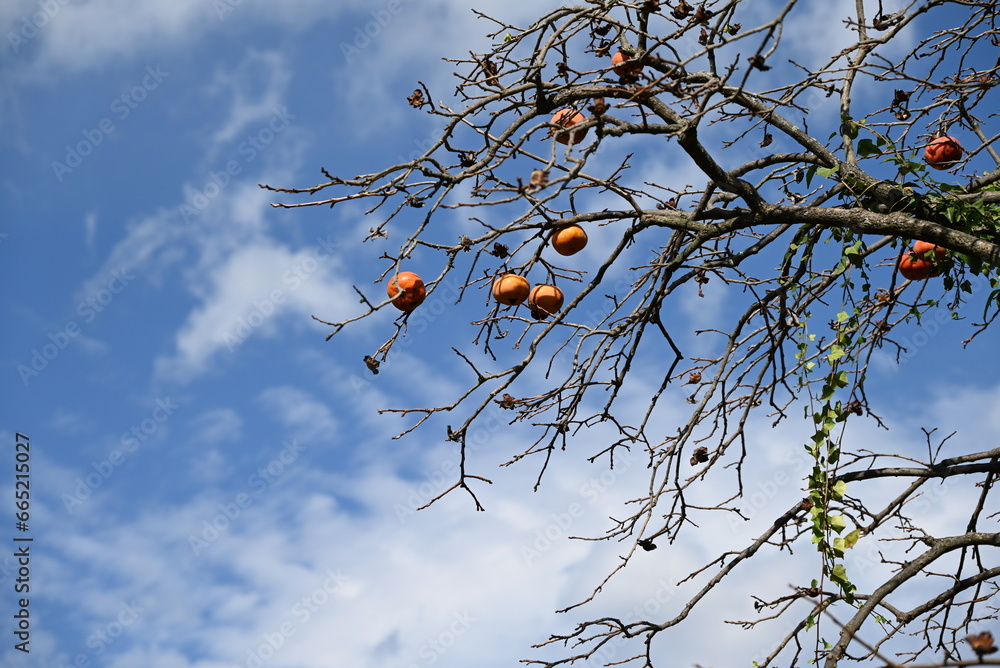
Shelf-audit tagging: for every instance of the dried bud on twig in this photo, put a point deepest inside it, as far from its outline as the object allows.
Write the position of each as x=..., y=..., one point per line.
x=982, y=643
x=598, y=107
x=702, y=15
x=699, y=456
x=885, y=21
x=417, y=99
x=491, y=71
x=507, y=403
x=681, y=10
x=900, y=98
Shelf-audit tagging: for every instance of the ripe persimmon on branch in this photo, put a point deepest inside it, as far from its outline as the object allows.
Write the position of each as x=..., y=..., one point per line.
x=836, y=198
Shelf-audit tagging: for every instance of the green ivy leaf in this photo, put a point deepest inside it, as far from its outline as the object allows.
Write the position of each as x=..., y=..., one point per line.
x=838, y=547
x=866, y=148
x=827, y=172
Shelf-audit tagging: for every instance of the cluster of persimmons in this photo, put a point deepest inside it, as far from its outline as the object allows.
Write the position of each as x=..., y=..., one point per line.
x=406, y=289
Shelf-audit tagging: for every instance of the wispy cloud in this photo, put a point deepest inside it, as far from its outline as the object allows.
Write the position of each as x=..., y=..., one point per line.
x=254, y=90
x=249, y=293
x=308, y=418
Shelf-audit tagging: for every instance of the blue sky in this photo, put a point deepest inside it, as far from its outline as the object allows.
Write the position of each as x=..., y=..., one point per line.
x=212, y=484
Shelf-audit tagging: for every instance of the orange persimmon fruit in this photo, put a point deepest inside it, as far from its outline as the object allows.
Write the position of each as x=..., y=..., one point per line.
x=409, y=287
x=621, y=66
x=921, y=248
x=943, y=153
x=545, y=300
x=567, y=118
x=511, y=289
x=569, y=240
x=915, y=265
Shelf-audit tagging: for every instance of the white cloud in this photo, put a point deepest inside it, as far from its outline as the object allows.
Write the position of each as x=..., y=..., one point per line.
x=79, y=36
x=219, y=425
x=308, y=418
x=82, y=36
x=446, y=578
x=249, y=292
x=255, y=89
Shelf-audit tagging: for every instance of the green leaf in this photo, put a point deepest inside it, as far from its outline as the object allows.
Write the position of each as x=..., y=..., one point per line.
x=839, y=490
x=839, y=575
x=838, y=547
x=848, y=126
x=851, y=539
x=866, y=148
x=810, y=172
x=827, y=172
x=836, y=352
x=837, y=522
x=841, y=379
